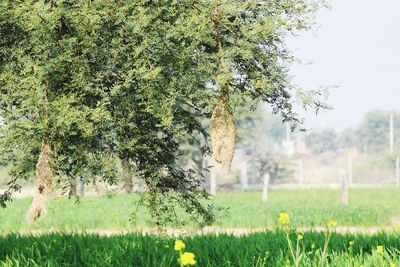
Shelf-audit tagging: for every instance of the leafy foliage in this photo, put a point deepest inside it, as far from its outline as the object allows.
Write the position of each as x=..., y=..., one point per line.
x=373, y=132
x=320, y=142
x=105, y=80
x=275, y=164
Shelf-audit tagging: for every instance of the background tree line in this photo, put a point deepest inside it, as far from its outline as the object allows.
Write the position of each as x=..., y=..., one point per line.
x=370, y=136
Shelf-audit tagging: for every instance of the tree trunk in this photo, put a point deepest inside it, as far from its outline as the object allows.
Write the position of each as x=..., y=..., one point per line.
x=127, y=176
x=81, y=183
x=44, y=183
x=73, y=187
x=75, y=184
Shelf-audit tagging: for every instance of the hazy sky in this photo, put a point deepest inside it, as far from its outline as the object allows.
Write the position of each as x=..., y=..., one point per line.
x=357, y=47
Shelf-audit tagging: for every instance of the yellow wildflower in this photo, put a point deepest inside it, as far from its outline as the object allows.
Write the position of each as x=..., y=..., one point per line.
x=379, y=249
x=392, y=265
x=351, y=243
x=187, y=258
x=300, y=237
x=332, y=223
x=284, y=218
x=179, y=245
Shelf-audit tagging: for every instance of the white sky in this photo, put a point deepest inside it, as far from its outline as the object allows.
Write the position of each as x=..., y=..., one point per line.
x=357, y=47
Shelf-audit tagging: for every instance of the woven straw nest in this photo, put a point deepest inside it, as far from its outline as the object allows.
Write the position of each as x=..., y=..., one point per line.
x=44, y=184
x=223, y=132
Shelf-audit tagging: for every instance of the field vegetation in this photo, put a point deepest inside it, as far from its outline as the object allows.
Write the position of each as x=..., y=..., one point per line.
x=368, y=207
x=263, y=249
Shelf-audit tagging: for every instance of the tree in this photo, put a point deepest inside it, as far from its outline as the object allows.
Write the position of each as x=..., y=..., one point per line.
x=346, y=138
x=242, y=52
x=260, y=127
x=275, y=164
x=78, y=82
x=323, y=141
x=84, y=83
x=52, y=81
x=373, y=132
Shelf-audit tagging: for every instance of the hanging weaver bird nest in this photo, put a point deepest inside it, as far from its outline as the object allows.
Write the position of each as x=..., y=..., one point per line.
x=223, y=132
x=44, y=184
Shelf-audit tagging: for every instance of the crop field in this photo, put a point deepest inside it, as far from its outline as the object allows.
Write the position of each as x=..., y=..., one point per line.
x=67, y=235
x=368, y=207
x=264, y=249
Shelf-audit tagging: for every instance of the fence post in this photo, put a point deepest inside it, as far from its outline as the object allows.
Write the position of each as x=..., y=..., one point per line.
x=244, y=184
x=344, y=187
x=264, y=196
x=391, y=134
x=81, y=187
x=398, y=171
x=350, y=168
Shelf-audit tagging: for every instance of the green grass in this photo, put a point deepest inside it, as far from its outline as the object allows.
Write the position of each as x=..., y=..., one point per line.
x=263, y=249
x=307, y=207
x=313, y=207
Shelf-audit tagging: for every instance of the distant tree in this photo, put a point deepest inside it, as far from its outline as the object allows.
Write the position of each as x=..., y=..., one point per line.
x=323, y=141
x=346, y=139
x=371, y=135
x=373, y=132
x=259, y=126
x=272, y=128
x=275, y=164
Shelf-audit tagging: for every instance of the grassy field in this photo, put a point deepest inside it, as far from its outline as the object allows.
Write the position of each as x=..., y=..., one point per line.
x=307, y=207
x=369, y=207
x=264, y=249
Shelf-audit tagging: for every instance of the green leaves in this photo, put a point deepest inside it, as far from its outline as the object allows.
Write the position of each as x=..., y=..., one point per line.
x=107, y=80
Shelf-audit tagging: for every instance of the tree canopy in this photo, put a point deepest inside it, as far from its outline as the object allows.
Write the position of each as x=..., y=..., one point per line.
x=85, y=83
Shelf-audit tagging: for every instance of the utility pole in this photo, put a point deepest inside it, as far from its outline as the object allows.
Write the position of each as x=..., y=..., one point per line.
x=264, y=196
x=350, y=168
x=391, y=134
x=344, y=187
x=398, y=171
